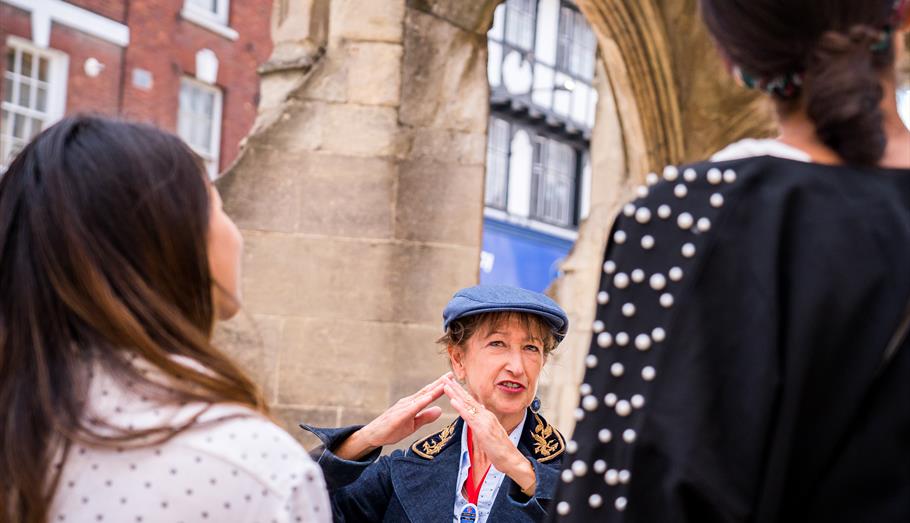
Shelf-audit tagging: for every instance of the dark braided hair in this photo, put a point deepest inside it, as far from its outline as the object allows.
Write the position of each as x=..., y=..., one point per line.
x=838, y=49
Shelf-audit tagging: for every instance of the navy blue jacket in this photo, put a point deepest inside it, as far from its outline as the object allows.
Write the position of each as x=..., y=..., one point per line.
x=418, y=485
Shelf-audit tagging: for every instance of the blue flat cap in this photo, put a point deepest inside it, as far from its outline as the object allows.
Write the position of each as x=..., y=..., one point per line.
x=496, y=298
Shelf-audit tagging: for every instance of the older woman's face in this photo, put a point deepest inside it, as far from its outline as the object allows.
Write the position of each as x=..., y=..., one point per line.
x=500, y=366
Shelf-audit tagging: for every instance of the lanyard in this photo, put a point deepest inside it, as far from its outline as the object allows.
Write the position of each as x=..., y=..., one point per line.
x=473, y=490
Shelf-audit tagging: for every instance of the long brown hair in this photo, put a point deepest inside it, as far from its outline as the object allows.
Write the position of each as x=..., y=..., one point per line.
x=103, y=260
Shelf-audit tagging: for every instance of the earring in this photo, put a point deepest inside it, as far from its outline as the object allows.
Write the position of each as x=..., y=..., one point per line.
x=535, y=405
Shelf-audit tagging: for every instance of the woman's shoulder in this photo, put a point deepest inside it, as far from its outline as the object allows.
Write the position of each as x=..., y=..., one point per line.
x=229, y=464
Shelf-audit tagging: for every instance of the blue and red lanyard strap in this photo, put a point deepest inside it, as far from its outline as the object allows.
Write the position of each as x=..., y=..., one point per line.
x=472, y=490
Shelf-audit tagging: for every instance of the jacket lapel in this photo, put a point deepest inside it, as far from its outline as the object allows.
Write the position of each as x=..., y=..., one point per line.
x=426, y=487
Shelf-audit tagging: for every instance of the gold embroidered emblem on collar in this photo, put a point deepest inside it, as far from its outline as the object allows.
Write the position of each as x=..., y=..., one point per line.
x=430, y=446
x=548, y=442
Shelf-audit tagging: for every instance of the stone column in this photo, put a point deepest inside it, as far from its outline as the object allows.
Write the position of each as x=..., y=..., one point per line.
x=360, y=198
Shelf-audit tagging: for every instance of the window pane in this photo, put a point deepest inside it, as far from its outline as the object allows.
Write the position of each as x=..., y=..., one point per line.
x=41, y=100
x=554, y=201
x=207, y=5
x=7, y=89
x=26, y=64
x=183, y=124
x=498, y=144
x=42, y=68
x=35, y=127
x=10, y=59
x=24, y=92
x=204, y=134
x=207, y=103
x=19, y=126
x=520, y=23
x=196, y=117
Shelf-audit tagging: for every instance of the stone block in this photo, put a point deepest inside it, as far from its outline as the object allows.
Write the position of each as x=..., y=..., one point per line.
x=360, y=130
x=366, y=73
x=440, y=203
x=298, y=129
x=326, y=186
x=295, y=275
x=444, y=76
x=416, y=344
x=470, y=16
x=252, y=342
x=447, y=146
x=367, y=20
x=341, y=128
x=261, y=192
x=336, y=362
x=374, y=73
x=289, y=418
x=426, y=276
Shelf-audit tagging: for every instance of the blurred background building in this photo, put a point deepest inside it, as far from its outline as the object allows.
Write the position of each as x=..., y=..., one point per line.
x=381, y=154
x=189, y=66
x=542, y=111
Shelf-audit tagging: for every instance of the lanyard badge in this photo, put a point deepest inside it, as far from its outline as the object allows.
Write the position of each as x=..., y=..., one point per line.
x=468, y=514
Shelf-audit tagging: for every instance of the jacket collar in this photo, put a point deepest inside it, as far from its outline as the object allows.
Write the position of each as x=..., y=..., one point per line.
x=424, y=476
x=539, y=440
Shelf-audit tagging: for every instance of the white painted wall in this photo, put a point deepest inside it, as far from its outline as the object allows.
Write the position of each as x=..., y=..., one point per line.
x=547, y=29
x=494, y=64
x=520, y=165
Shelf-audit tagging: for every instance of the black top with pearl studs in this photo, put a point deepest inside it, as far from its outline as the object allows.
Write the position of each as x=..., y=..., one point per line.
x=735, y=372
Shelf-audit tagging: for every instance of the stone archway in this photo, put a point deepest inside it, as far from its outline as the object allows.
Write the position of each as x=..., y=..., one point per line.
x=360, y=189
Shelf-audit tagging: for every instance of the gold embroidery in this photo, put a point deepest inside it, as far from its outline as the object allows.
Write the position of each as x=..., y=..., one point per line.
x=548, y=442
x=431, y=446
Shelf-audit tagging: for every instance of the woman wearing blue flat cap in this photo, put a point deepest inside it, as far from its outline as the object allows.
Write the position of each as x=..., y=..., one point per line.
x=498, y=461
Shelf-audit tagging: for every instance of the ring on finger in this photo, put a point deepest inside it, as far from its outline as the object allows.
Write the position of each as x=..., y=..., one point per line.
x=472, y=410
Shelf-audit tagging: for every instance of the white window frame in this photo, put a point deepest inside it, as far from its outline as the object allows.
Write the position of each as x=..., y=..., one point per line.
x=215, y=21
x=213, y=156
x=58, y=67
x=903, y=104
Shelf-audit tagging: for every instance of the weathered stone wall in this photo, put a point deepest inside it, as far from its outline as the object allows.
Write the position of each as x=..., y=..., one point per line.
x=359, y=195
x=359, y=192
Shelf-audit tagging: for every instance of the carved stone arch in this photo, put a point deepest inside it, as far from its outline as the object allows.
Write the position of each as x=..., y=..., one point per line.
x=634, y=26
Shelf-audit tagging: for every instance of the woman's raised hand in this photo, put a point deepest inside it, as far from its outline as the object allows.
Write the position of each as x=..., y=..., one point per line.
x=399, y=421
x=490, y=436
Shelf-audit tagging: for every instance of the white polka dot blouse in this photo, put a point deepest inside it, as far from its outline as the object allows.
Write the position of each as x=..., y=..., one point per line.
x=232, y=465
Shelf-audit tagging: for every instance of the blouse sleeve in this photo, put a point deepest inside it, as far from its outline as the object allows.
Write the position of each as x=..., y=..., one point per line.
x=671, y=402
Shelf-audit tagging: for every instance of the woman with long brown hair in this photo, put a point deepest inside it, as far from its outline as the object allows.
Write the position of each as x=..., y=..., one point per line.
x=750, y=360
x=115, y=260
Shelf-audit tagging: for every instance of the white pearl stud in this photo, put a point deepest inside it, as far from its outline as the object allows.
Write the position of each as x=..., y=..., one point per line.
x=688, y=250
x=685, y=221
x=717, y=200
x=591, y=361
x=642, y=342
x=648, y=373
x=658, y=281
x=680, y=191
x=643, y=215
x=619, y=237
x=715, y=176
x=623, y=408
x=617, y=369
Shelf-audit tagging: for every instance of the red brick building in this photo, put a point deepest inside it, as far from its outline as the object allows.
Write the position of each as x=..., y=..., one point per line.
x=188, y=66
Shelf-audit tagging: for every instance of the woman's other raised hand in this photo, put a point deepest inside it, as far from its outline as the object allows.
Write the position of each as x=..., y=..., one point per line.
x=398, y=422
